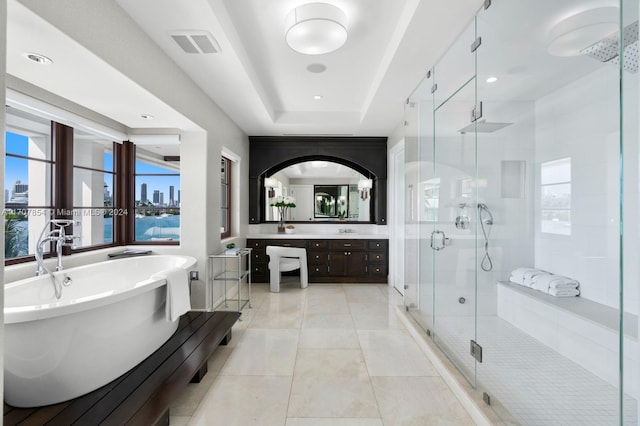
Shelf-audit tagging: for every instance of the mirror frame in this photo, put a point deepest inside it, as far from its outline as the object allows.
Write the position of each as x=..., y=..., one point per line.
x=270, y=154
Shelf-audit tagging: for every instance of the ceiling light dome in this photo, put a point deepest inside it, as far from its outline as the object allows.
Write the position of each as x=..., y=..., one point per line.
x=316, y=28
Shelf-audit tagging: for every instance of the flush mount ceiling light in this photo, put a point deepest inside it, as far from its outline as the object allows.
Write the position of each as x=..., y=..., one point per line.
x=571, y=35
x=316, y=28
x=36, y=57
x=492, y=79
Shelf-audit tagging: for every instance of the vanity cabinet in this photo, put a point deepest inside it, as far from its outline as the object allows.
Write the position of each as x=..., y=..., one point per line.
x=329, y=261
x=348, y=258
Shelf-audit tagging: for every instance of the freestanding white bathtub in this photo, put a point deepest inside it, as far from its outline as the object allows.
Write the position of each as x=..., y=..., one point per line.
x=109, y=319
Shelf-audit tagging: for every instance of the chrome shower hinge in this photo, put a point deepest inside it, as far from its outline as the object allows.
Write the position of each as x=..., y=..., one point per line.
x=476, y=112
x=476, y=351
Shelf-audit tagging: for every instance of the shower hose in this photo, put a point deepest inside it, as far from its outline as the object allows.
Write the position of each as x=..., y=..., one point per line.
x=486, y=264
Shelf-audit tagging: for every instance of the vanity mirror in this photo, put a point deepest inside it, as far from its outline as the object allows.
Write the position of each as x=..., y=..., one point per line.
x=323, y=190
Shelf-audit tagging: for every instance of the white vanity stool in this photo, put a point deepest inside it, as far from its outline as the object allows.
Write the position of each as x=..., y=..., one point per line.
x=284, y=259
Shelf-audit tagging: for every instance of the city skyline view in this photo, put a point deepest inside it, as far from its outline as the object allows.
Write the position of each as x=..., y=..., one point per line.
x=16, y=169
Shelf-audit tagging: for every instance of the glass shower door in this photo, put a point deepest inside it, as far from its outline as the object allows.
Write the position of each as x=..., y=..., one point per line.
x=453, y=241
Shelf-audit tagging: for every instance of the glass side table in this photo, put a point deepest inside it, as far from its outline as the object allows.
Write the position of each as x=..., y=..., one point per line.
x=235, y=269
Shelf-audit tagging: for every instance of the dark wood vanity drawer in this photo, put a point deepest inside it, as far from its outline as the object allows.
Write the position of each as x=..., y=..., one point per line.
x=318, y=270
x=378, y=244
x=347, y=244
x=317, y=245
x=377, y=257
x=256, y=244
x=259, y=273
x=317, y=257
x=378, y=272
x=259, y=256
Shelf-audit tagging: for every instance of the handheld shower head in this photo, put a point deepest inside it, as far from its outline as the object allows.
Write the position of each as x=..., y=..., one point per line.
x=483, y=208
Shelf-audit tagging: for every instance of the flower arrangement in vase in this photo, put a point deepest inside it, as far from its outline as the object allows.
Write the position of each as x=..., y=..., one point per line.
x=282, y=204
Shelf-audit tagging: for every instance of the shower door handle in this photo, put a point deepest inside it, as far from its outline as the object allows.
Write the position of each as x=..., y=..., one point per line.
x=438, y=240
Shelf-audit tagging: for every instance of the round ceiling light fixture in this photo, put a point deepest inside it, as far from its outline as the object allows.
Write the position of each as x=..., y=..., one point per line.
x=316, y=28
x=38, y=58
x=571, y=35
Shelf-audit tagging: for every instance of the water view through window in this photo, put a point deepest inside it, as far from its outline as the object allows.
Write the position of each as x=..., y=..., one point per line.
x=28, y=189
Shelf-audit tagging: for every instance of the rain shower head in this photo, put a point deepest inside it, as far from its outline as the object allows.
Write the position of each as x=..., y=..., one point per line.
x=608, y=49
x=482, y=126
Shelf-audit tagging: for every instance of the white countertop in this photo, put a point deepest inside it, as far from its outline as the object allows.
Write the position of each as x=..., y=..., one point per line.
x=307, y=236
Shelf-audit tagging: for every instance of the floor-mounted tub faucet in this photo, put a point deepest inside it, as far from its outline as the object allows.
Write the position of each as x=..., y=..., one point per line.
x=62, y=239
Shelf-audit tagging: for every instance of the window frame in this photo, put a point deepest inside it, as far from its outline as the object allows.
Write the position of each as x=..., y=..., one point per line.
x=134, y=208
x=549, y=184
x=50, y=189
x=226, y=192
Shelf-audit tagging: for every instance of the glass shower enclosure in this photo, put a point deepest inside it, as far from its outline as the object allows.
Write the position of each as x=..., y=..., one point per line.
x=522, y=161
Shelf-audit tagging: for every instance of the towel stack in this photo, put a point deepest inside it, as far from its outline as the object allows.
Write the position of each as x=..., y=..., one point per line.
x=546, y=282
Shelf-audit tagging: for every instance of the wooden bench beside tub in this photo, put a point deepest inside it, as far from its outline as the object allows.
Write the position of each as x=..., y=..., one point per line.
x=142, y=396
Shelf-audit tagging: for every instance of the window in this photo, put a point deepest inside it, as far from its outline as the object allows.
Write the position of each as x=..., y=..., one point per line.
x=28, y=182
x=55, y=171
x=93, y=188
x=157, y=199
x=225, y=198
x=555, y=197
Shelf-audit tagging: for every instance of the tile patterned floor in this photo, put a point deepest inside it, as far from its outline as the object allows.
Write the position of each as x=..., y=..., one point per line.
x=328, y=355
x=536, y=384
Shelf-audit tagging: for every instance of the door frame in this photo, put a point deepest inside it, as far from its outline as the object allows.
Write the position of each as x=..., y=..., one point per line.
x=396, y=216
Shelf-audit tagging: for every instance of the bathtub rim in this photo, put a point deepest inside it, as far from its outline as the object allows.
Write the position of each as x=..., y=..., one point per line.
x=23, y=314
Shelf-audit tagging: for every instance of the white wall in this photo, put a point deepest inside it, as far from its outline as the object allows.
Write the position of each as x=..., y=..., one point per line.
x=580, y=121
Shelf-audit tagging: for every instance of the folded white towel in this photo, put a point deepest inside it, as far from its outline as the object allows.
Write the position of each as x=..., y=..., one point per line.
x=563, y=283
x=518, y=275
x=570, y=292
x=178, y=301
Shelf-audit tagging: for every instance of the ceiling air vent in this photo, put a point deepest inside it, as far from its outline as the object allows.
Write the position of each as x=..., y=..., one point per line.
x=196, y=41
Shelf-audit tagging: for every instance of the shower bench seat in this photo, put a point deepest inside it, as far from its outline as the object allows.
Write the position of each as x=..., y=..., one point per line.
x=142, y=396
x=579, y=329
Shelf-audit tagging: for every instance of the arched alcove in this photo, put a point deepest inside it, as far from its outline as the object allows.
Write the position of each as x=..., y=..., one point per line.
x=269, y=154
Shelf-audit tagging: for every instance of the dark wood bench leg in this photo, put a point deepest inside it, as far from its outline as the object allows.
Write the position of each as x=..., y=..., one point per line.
x=200, y=374
x=226, y=339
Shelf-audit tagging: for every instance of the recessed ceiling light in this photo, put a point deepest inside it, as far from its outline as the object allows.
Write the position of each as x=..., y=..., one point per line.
x=317, y=97
x=36, y=57
x=316, y=68
x=492, y=79
x=146, y=116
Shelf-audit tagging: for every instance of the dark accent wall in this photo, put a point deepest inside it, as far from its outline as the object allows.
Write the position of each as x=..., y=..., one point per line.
x=269, y=154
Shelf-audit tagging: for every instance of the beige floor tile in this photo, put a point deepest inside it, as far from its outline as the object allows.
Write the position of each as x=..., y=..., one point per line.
x=418, y=401
x=279, y=311
x=393, y=353
x=365, y=294
x=333, y=422
x=374, y=316
x=329, y=338
x=244, y=400
x=332, y=303
x=335, y=321
x=263, y=352
x=332, y=397
x=179, y=420
x=330, y=363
